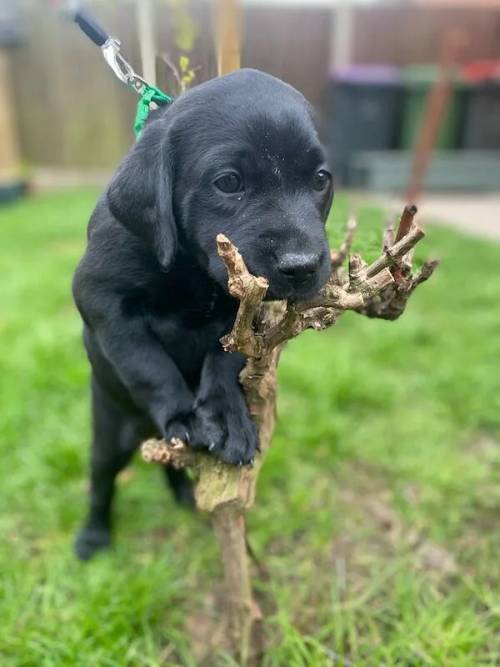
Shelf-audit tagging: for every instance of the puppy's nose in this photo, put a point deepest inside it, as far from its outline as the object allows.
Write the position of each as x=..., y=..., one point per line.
x=299, y=267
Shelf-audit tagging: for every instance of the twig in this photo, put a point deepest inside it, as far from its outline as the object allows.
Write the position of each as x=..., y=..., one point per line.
x=406, y=221
x=339, y=256
x=250, y=290
x=175, y=453
x=396, y=252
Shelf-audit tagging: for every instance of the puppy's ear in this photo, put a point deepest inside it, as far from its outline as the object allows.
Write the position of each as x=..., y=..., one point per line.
x=140, y=193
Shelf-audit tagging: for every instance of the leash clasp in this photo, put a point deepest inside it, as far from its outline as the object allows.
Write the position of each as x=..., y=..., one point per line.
x=121, y=68
x=110, y=46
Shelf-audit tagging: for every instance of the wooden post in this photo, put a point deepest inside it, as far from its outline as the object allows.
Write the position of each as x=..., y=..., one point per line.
x=228, y=36
x=341, y=36
x=147, y=41
x=9, y=150
x=436, y=106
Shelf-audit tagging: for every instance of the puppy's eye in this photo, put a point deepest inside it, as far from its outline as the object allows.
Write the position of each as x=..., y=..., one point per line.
x=321, y=180
x=229, y=183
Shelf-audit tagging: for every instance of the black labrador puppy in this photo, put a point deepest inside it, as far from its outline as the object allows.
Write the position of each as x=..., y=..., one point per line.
x=239, y=155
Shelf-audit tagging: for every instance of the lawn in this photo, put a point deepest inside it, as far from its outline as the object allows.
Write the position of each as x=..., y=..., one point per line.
x=377, y=516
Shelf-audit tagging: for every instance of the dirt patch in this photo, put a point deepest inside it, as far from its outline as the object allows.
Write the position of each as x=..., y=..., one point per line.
x=374, y=526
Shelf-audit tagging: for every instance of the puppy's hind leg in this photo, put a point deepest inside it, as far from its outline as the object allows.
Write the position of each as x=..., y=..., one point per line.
x=181, y=485
x=115, y=438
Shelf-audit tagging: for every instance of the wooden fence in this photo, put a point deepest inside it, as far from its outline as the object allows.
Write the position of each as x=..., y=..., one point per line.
x=71, y=111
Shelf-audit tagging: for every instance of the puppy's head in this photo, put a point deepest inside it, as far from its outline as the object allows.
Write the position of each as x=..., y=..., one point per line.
x=238, y=155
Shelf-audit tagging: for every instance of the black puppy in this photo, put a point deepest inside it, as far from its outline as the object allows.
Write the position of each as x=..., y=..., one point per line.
x=238, y=155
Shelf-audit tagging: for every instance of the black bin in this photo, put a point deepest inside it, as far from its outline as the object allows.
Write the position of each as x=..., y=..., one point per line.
x=481, y=129
x=364, y=113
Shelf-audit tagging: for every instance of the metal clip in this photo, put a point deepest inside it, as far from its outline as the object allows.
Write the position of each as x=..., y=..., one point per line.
x=121, y=68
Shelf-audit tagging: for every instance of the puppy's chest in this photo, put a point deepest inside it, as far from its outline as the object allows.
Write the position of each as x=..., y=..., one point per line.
x=190, y=299
x=189, y=319
x=187, y=338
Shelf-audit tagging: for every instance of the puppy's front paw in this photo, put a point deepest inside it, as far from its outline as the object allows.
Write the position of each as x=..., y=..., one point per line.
x=180, y=428
x=226, y=429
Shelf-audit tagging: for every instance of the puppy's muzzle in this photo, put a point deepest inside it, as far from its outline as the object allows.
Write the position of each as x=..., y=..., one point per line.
x=299, y=268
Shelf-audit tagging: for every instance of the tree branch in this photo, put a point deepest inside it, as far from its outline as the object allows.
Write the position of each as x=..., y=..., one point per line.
x=261, y=329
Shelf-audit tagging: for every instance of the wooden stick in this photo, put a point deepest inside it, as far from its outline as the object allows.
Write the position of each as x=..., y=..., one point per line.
x=229, y=528
x=396, y=252
x=9, y=150
x=339, y=256
x=406, y=221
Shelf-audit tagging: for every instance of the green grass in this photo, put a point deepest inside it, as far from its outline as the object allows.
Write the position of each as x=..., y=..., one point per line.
x=378, y=507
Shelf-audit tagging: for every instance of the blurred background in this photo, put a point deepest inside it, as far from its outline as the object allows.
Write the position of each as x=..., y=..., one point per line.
x=367, y=66
x=378, y=511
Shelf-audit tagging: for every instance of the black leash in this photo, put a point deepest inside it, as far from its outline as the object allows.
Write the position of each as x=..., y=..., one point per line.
x=110, y=47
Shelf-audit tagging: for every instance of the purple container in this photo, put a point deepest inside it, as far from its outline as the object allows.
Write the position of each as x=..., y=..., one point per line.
x=382, y=75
